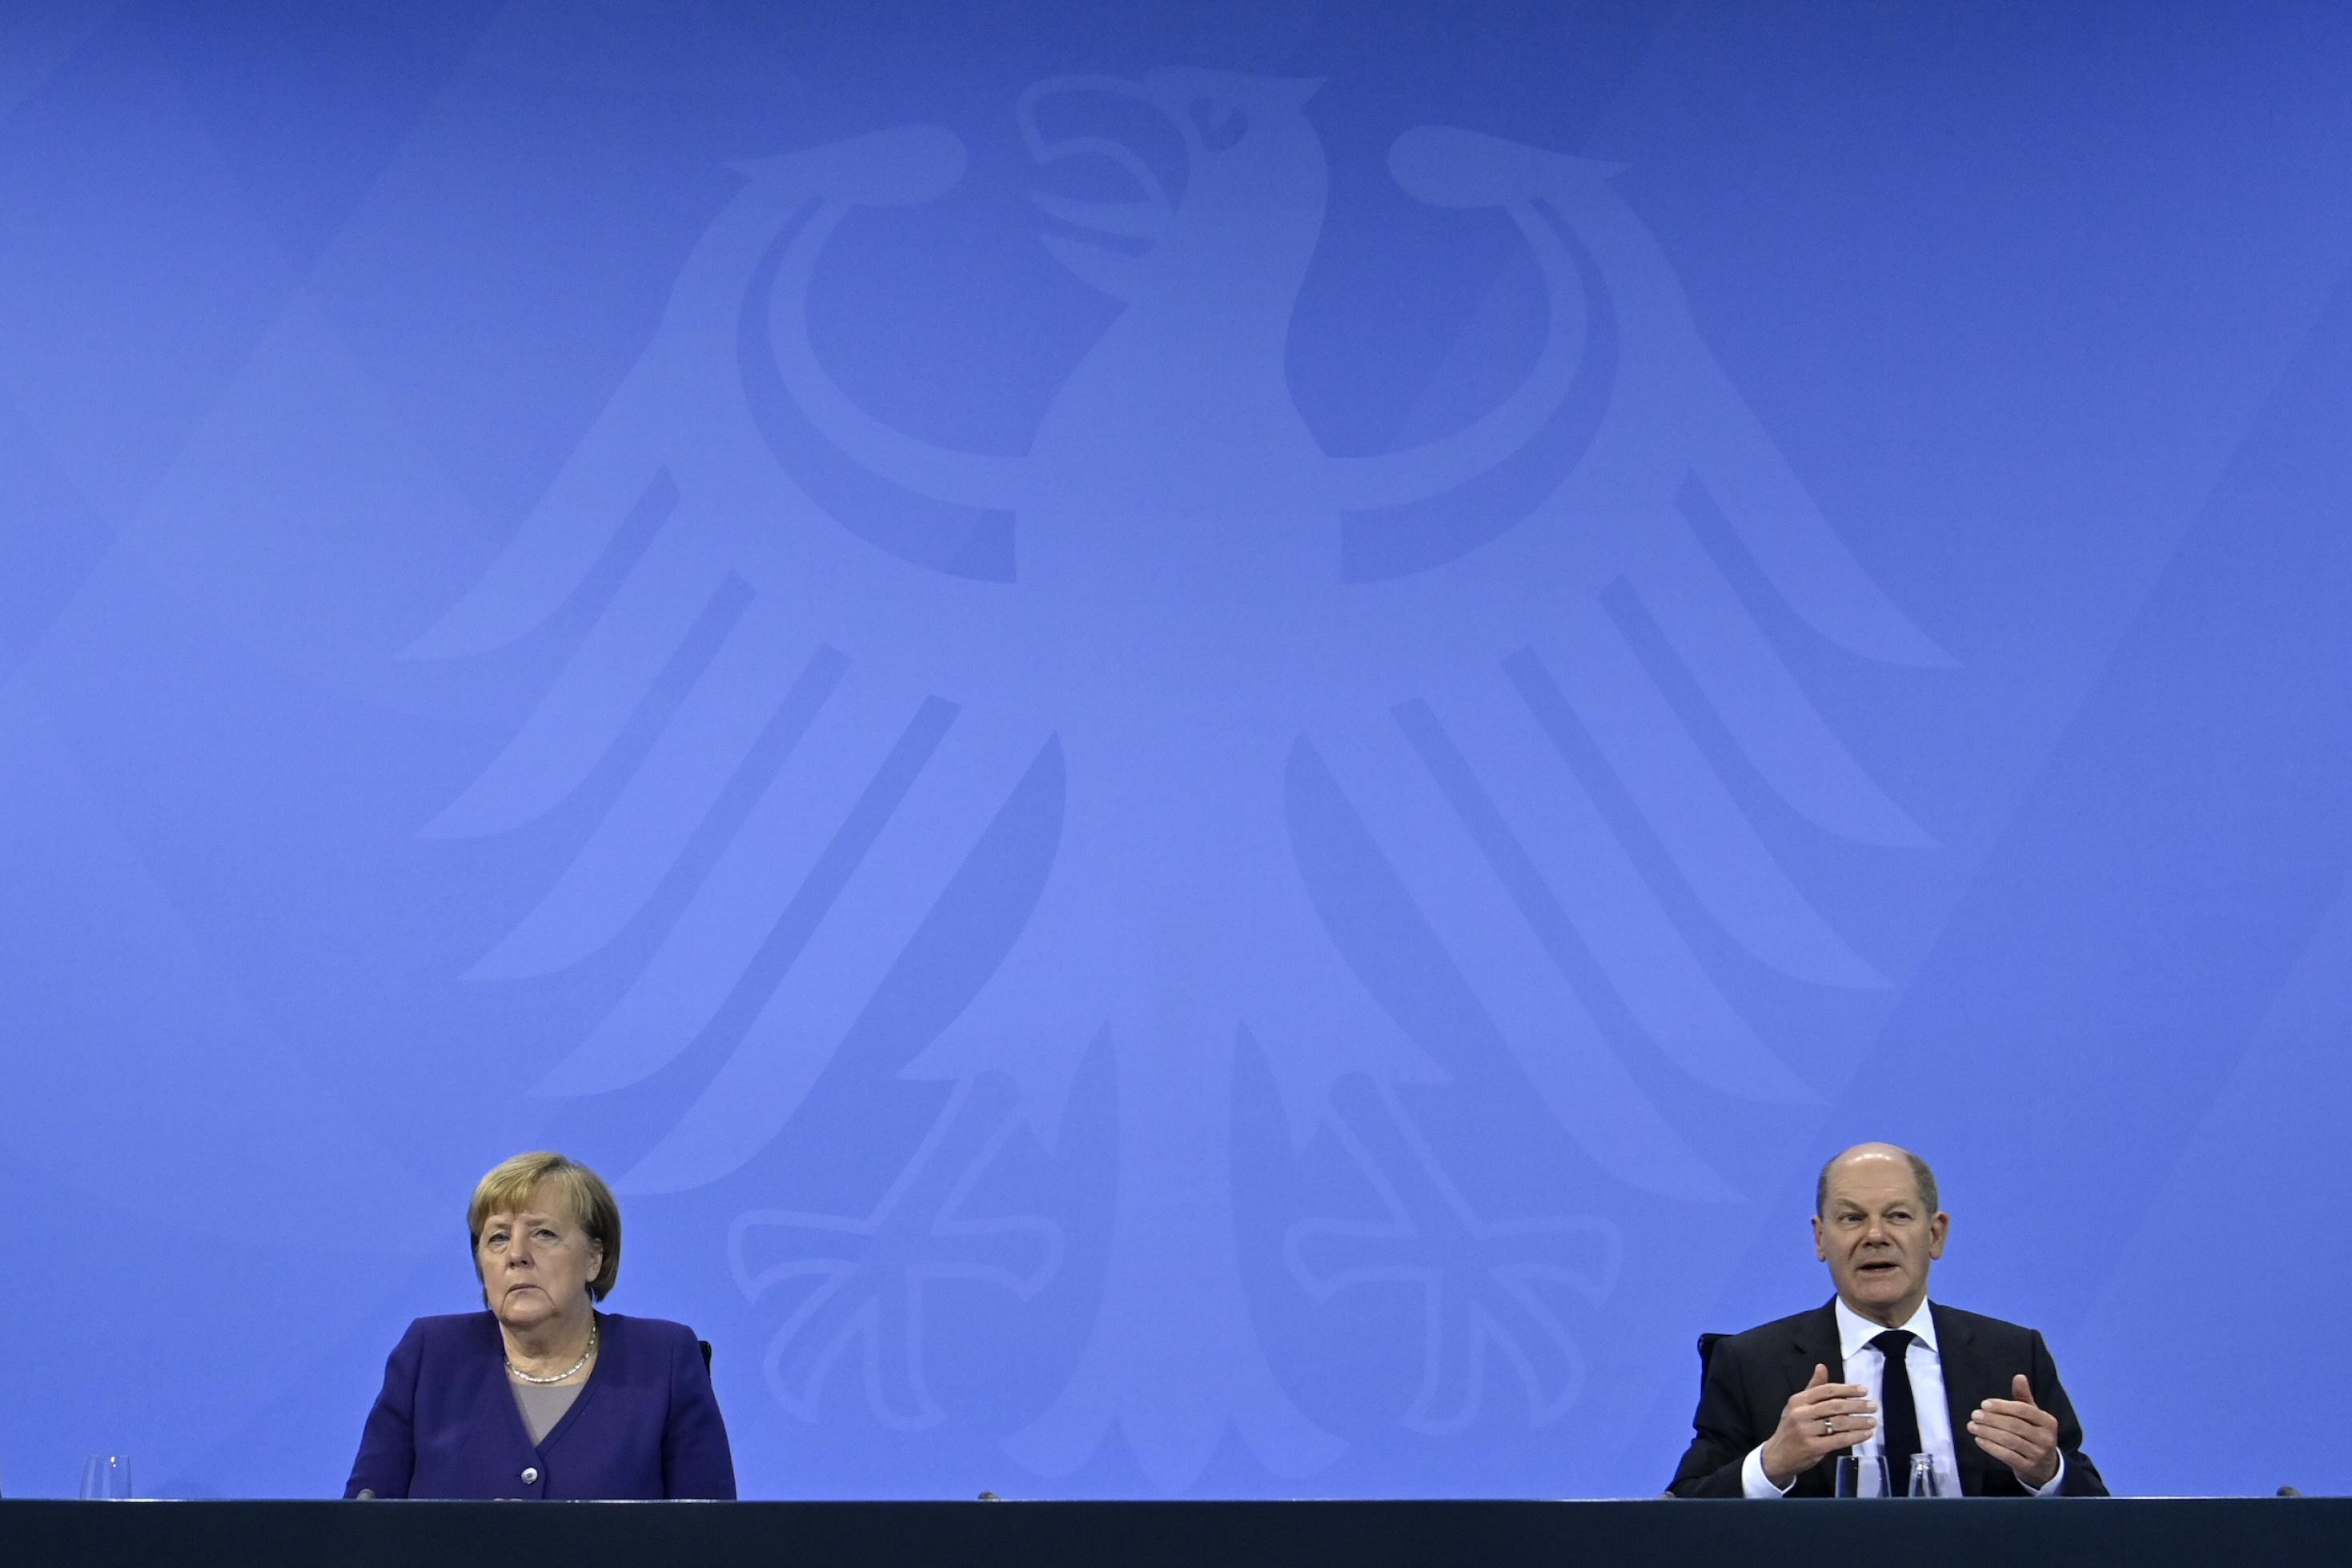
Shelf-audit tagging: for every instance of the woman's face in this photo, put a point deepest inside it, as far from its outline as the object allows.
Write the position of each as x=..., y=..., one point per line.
x=536, y=1263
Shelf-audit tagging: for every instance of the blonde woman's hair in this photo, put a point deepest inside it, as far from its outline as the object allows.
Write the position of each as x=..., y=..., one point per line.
x=507, y=1188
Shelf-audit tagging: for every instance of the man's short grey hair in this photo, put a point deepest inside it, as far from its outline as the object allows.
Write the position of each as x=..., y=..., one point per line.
x=1919, y=1174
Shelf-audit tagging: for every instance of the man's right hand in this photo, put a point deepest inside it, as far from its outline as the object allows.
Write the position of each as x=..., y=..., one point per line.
x=1820, y=1419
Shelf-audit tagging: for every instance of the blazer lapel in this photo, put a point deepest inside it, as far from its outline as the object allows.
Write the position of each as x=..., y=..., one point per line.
x=506, y=1393
x=1966, y=1384
x=1815, y=1344
x=606, y=1356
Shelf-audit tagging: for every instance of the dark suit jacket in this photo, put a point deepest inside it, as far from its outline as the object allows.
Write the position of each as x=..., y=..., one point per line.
x=646, y=1424
x=1750, y=1376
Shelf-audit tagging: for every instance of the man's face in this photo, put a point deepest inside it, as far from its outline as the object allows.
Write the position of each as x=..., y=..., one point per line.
x=1878, y=1237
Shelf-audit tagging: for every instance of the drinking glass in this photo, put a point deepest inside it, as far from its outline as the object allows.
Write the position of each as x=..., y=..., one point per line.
x=1925, y=1480
x=106, y=1476
x=1862, y=1475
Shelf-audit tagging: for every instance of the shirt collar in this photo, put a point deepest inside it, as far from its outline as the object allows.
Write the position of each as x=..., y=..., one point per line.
x=1855, y=1332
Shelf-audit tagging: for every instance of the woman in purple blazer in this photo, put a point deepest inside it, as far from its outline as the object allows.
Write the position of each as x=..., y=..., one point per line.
x=542, y=1395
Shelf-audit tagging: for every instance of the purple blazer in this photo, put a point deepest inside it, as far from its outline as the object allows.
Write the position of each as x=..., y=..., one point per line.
x=646, y=1425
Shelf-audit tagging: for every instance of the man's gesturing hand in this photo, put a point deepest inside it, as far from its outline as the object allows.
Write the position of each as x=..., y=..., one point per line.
x=1818, y=1419
x=2018, y=1433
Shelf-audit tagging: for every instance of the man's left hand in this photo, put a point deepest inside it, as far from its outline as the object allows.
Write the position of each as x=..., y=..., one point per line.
x=2019, y=1434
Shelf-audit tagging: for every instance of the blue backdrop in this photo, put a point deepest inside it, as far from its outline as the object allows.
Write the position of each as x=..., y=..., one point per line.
x=1209, y=742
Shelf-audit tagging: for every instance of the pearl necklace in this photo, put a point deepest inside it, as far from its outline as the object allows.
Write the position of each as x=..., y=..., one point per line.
x=518, y=1372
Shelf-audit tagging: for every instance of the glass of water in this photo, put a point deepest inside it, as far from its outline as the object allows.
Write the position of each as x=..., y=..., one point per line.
x=106, y=1477
x=1862, y=1475
x=1926, y=1481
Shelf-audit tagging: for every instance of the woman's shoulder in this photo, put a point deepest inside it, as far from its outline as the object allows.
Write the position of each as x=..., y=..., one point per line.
x=443, y=1340
x=652, y=1338
x=452, y=1328
x=646, y=1331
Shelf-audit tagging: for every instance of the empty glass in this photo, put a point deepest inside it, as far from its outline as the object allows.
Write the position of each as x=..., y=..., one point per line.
x=1925, y=1480
x=1862, y=1475
x=106, y=1476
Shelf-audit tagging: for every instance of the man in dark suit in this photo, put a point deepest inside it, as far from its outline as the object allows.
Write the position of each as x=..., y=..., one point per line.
x=1978, y=1396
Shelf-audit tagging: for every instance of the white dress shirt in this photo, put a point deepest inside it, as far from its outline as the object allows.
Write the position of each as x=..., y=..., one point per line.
x=1866, y=1365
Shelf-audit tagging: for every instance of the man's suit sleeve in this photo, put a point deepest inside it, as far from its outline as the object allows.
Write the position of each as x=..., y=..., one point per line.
x=1722, y=1430
x=386, y=1461
x=2082, y=1478
x=696, y=1459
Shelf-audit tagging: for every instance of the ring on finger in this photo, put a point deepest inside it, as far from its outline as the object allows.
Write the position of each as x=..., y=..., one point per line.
x=1828, y=1425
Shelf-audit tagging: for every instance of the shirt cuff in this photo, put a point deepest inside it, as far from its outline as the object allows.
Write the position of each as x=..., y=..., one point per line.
x=1754, y=1482
x=2055, y=1481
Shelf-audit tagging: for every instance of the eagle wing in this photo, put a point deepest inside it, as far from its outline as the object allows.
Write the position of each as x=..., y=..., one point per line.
x=821, y=743
x=1574, y=712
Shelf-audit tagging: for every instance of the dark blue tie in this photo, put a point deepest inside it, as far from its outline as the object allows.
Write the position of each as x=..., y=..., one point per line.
x=1898, y=1416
